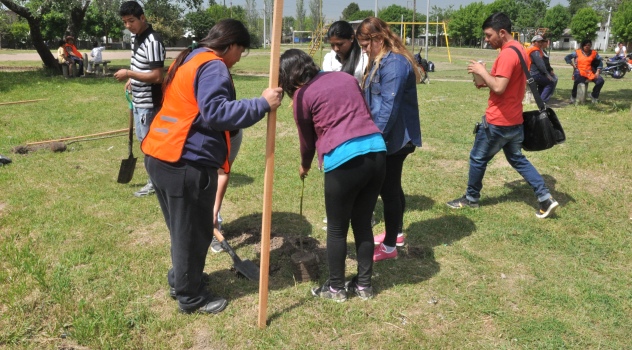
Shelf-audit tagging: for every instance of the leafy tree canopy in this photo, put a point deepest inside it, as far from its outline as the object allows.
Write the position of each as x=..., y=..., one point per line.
x=362, y=14
x=465, y=24
x=200, y=22
x=622, y=22
x=349, y=11
x=556, y=20
x=584, y=24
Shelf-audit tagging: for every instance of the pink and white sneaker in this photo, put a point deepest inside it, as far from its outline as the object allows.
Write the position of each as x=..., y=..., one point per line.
x=379, y=253
x=380, y=239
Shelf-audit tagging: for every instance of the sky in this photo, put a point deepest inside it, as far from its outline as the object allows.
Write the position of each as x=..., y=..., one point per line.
x=332, y=9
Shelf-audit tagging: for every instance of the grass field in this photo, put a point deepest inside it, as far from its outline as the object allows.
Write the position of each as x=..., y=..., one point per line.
x=83, y=262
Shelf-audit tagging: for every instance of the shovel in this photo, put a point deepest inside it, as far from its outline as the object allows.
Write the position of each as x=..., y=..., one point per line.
x=245, y=267
x=126, y=172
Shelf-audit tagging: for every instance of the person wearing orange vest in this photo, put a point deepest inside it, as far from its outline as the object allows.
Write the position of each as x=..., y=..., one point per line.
x=73, y=54
x=535, y=60
x=187, y=142
x=587, y=66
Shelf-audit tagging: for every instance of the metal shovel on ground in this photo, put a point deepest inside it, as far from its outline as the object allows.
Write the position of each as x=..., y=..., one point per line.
x=126, y=171
x=246, y=267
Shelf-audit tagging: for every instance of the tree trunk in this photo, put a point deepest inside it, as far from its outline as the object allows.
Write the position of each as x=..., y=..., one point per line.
x=36, y=34
x=77, y=14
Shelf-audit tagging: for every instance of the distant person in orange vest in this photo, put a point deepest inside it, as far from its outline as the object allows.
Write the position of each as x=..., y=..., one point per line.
x=73, y=54
x=188, y=141
x=537, y=67
x=587, y=64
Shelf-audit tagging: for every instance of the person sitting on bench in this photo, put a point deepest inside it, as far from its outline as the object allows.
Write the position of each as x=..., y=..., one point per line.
x=73, y=54
x=95, y=56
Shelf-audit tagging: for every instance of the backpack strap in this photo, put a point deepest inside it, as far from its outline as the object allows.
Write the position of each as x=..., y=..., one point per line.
x=532, y=84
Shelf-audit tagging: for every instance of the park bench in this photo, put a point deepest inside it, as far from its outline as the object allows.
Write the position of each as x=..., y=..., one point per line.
x=71, y=70
x=94, y=66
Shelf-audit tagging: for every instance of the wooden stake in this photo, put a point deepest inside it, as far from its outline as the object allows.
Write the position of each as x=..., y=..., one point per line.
x=77, y=137
x=266, y=217
x=25, y=101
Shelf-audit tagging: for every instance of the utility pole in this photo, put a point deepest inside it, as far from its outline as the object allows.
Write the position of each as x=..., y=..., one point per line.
x=427, y=19
x=608, y=30
x=375, y=8
x=437, y=33
x=264, y=24
x=412, y=29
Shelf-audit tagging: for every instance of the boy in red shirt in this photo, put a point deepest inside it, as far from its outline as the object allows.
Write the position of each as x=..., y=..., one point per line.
x=502, y=122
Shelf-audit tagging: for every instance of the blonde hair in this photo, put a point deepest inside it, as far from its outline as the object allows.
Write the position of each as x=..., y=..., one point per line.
x=373, y=28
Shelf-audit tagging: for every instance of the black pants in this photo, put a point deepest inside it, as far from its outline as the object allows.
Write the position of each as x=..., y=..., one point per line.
x=392, y=195
x=186, y=195
x=351, y=192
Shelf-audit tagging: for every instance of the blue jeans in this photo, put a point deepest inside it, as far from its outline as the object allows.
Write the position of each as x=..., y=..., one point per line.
x=596, y=89
x=545, y=86
x=142, y=120
x=490, y=141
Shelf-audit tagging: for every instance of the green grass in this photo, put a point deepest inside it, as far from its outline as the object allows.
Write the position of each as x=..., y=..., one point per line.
x=83, y=262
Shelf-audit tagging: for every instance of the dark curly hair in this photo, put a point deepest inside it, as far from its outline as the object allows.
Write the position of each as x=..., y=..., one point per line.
x=297, y=68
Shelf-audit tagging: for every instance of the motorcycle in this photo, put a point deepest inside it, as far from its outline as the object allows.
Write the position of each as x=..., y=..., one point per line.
x=616, y=67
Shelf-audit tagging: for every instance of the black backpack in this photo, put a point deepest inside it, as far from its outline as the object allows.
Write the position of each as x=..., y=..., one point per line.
x=422, y=62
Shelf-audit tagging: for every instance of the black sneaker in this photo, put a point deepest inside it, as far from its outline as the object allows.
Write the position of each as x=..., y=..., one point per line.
x=462, y=203
x=547, y=208
x=214, y=306
x=172, y=290
x=352, y=287
x=216, y=246
x=4, y=160
x=325, y=292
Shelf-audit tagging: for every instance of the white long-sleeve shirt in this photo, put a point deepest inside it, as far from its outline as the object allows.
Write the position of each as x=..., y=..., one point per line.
x=331, y=64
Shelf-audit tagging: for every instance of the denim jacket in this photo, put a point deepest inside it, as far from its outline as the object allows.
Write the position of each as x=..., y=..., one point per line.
x=391, y=95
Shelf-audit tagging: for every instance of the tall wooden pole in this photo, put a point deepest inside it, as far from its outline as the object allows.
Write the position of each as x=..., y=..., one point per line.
x=266, y=217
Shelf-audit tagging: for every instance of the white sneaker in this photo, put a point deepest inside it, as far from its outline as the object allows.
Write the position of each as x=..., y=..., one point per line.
x=593, y=100
x=572, y=99
x=146, y=190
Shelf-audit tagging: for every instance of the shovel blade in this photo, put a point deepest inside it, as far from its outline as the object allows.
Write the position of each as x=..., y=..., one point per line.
x=247, y=268
x=126, y=172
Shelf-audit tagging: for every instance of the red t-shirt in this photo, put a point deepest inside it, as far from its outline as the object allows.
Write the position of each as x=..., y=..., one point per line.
x=506, y=109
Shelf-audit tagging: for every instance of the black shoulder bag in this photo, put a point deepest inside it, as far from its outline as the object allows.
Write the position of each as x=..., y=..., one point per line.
x=542, y=128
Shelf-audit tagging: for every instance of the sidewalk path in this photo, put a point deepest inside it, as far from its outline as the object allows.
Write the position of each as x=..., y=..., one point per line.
x=107, y=55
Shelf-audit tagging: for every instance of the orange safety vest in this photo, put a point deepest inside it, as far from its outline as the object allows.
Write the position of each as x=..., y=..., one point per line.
x=584, y=64
x=169, y=129
x=529, y=50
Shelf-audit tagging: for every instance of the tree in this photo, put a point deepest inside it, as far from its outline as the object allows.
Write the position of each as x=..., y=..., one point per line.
x=443, y=14
x=33, y=17
x=575, y=5
x=19, y=30
x=314, y=12
x=622, y=22
x=556, y=20
x=102, y=19
x=288, y=22
x=199, y=23
x=252, y=16
x=508, y=7
x=349, y=11
x=362, y=14
x=531, y=13
x=584, y=24
x=394, y=13
x=465, y=24
x=165, y=18
x=300, y=15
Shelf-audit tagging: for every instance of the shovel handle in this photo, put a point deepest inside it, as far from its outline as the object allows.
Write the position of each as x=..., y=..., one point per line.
x=224, y=244
x=131, y=122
